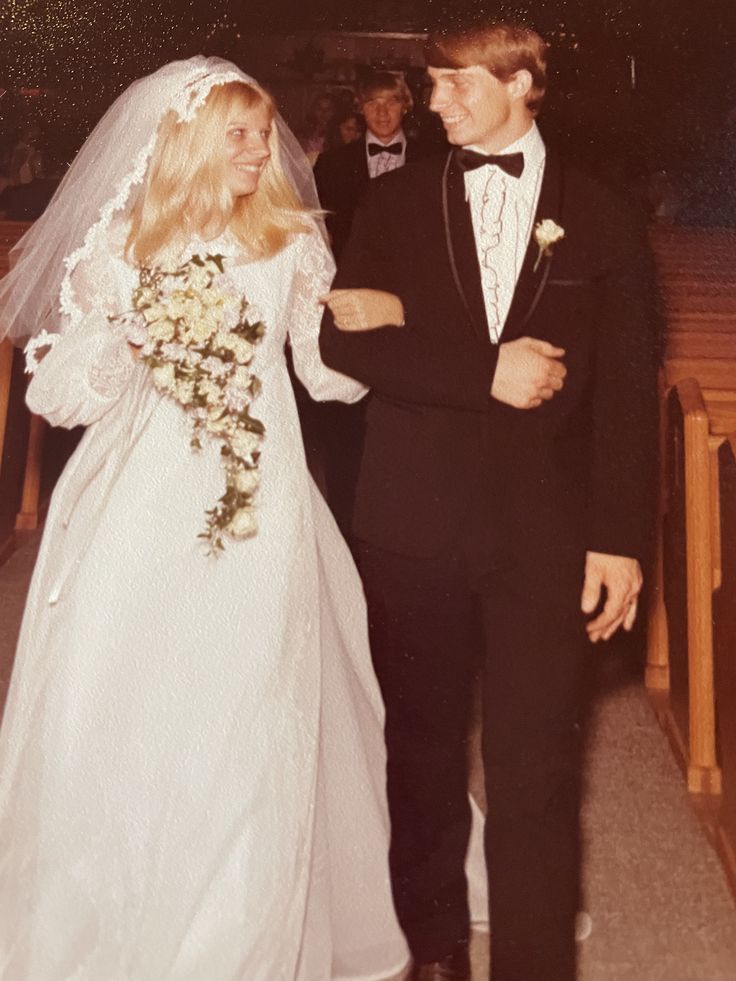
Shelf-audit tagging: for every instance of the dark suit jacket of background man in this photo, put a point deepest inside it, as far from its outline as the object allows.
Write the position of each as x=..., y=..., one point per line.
x=342, y=175
x=334, y=432
x=443, y=461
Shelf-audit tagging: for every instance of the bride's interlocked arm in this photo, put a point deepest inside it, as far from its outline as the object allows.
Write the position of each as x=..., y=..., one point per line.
x=313, y=275
x=81, y=372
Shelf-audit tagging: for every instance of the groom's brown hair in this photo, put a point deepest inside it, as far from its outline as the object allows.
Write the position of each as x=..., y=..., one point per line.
x=502, y=47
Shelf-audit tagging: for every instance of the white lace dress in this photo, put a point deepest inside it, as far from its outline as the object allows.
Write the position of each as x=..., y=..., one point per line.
x=191, y=760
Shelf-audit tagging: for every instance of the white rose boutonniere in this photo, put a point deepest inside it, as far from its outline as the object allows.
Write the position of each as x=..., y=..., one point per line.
x=546, y=233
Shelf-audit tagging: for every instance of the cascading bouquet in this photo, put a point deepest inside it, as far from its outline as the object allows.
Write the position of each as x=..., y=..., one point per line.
x=198, y=336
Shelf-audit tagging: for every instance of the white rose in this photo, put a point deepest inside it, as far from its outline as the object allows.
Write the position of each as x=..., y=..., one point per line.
x=240, y=377
x=231, y=315
x=242, y=349
x=212, y=298
x=209, y=390
x=243, y=523
x=198, y=277
x=201, y=329
x=170, y=286
x=246, y=481
x=217, y=423
x=244, y=443
x=144, y=294
x=174, y=352
x=155, y=312
x=162, y=330
x=163, y=378
x=215, y=367
x=184, y=391
x=236, y=398
x=548, y=232
x=177, y=306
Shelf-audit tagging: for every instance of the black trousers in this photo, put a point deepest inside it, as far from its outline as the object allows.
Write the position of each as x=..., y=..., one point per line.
x=436, y=625
x=342, y=431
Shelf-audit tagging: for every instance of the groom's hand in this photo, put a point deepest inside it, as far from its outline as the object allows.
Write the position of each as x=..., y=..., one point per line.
x=622, y=579
x=528, y=372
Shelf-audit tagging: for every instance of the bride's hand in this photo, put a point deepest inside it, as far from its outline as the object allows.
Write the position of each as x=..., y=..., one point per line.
x=364, y=309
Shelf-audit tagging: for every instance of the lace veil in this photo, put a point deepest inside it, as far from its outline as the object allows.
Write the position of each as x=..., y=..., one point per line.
x=37, y=293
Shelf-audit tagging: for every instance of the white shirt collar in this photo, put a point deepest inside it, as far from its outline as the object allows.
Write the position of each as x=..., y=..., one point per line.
x=398, y=137
x=532, y=146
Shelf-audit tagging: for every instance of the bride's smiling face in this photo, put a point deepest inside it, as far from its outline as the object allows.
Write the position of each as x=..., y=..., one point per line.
x=246, y=149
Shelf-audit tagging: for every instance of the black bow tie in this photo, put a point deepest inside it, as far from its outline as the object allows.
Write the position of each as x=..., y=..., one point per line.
x=511, y=163
x=375, y=148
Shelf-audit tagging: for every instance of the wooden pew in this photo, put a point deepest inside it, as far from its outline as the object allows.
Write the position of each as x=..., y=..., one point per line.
x=697, y=278
x=724, y=638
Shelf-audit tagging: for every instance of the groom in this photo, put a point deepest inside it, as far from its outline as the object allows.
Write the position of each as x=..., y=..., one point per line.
x=505, y=496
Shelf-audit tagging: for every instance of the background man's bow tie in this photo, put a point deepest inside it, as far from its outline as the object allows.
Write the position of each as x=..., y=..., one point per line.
x=511, y=163
x=374, y=148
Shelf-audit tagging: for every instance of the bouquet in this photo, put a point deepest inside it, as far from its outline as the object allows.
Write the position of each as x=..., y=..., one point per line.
x=198, y=336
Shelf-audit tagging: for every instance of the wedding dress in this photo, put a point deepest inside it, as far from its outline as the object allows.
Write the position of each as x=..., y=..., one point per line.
x=192, y=758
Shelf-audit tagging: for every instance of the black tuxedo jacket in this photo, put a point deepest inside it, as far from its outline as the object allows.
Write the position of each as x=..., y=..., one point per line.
x=342, y=176
x=445, y=465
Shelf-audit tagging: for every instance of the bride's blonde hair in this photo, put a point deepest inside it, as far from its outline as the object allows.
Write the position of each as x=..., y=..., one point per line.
x=184, y=191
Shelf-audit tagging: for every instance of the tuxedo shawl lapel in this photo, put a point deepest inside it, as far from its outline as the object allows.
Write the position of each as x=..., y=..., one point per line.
x=360, y=161
x=461, y=248
x=463, y=254
x=532, y=282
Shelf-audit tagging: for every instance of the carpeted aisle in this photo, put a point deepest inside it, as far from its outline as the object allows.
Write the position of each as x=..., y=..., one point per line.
x=659, y=901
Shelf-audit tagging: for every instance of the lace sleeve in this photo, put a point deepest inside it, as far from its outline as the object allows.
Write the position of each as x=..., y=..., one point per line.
x=312, y=278
x=81, y=372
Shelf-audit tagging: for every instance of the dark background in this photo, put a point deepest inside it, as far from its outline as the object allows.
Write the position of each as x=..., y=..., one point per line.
x=62, y=63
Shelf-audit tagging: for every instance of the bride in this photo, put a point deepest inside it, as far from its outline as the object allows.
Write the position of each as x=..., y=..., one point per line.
x=191, y=759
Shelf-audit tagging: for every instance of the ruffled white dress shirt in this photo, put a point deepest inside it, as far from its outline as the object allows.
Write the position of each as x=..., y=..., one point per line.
x=382, y=163
x=503, y=209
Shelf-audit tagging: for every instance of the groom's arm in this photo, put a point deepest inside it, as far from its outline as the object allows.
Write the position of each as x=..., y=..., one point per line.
x=624, y=425
x=624, y=404
x=406, y=363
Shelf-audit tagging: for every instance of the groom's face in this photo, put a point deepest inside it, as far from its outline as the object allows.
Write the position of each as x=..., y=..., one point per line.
x=475, y=107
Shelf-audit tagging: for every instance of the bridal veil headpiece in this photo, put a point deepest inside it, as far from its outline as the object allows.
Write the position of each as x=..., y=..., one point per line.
x=36, y=293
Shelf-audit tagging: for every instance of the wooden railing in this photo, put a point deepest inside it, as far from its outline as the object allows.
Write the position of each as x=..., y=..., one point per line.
x=724, y=645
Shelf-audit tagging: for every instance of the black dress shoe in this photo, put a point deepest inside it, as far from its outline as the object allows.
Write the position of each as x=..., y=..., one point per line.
x=453, y=967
